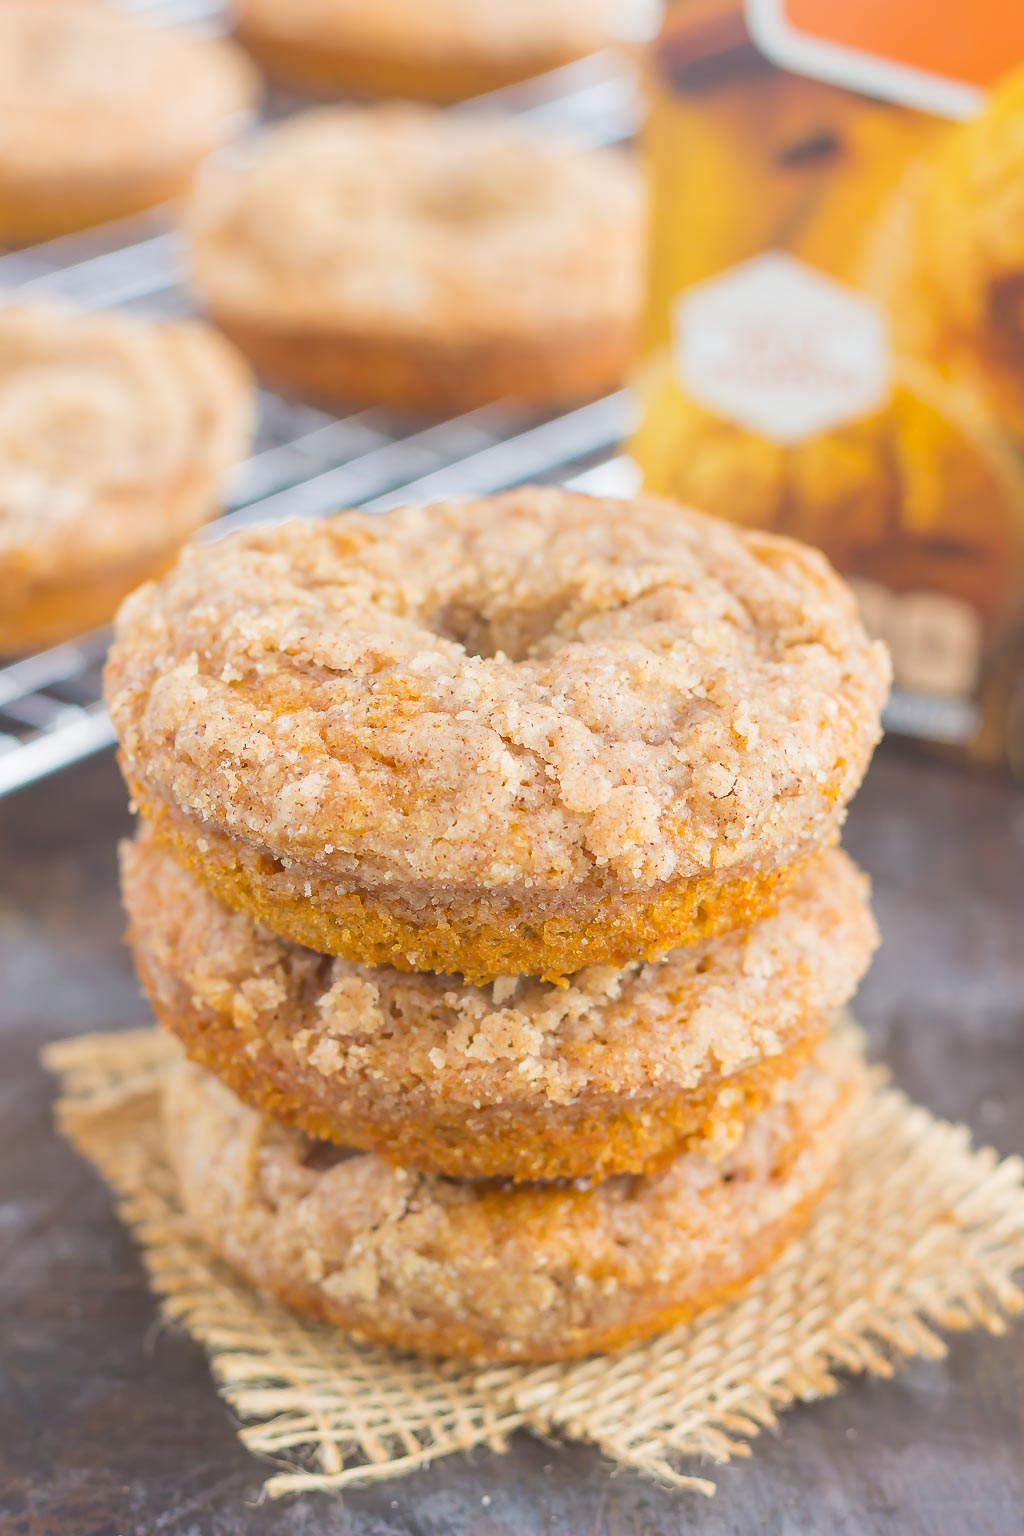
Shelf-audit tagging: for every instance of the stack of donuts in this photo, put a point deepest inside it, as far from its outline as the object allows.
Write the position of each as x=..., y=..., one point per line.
x=487, y=874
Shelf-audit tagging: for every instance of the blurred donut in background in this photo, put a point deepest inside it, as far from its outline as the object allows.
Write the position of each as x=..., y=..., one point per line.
x=400, y=255
x=116, y=435
x=442, y=51
x=102, y=115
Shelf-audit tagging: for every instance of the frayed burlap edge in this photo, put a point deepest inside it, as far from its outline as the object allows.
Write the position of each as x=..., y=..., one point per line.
x=921, y=1233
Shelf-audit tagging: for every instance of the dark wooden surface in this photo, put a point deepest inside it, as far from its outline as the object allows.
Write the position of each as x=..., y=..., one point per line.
x=109, y=1424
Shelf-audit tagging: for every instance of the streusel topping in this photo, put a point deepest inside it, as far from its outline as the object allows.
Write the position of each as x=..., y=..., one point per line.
x=523, y=693
x=711, y=1009
x=532, y=1271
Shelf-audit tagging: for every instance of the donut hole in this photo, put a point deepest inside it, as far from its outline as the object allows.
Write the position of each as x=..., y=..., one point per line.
x=518, y=634
x=322, y=1156
x=490, y=187
x=462, y=201
x=271, y=865
x=467, y=625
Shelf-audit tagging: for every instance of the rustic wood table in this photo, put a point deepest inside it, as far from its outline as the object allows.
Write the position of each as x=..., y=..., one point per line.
x=109, y=1423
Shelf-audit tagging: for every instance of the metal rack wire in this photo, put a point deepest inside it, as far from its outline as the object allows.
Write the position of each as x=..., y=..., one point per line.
x=305, y=462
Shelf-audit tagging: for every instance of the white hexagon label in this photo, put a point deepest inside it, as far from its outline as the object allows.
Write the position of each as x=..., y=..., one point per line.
x=781, y=349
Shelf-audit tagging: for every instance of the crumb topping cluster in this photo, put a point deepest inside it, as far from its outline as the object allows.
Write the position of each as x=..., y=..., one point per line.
x=523, y=694
x=464, y=1266
x=711, y=1009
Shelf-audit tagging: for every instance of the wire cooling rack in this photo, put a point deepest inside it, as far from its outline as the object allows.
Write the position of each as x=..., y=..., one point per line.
x=305, y=462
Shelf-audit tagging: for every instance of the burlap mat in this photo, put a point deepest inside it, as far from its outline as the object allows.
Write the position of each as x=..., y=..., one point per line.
x=921, y=1233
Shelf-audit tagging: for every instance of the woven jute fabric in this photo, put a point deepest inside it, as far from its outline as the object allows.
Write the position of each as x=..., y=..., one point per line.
x=921, y=1233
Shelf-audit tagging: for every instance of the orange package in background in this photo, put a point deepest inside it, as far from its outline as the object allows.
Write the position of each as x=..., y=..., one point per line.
x=834, y=337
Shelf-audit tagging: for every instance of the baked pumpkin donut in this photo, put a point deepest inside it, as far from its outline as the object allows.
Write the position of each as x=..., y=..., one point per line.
x=104, y=115
x=498, y=1271
x=444, y=51
x=403, y=256
x=116, y=434
x=521, y=735
x=615, y=1073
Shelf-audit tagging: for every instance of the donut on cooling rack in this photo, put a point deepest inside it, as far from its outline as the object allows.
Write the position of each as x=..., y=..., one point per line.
x=521, y=735
x=404, y=256
x=103, y=114
x=615, y=1073
x=443, y=51
x=498, y=1271
x=116, y=434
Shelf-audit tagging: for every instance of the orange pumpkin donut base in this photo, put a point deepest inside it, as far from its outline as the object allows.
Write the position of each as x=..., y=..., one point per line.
x=443, y=52
x=437, y=375
x=29, y=214
x=481, y=944
x=52, y=610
